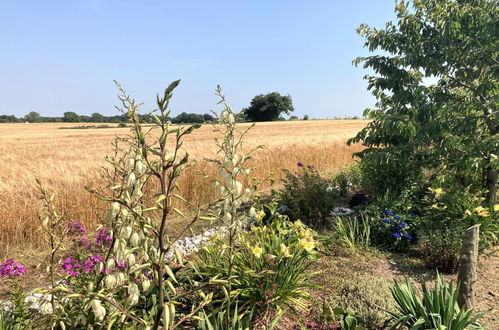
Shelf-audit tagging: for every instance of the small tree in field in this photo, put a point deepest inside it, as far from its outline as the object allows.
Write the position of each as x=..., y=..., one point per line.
x=454, y=119
x=269, y=107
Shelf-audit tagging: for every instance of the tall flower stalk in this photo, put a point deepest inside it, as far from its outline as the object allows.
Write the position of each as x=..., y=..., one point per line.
x=233, y=183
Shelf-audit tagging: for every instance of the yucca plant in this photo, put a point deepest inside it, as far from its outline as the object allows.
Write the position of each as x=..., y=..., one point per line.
x=435, y=308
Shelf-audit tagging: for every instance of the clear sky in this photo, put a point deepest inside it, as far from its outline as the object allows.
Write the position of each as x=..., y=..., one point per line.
x=58, y=56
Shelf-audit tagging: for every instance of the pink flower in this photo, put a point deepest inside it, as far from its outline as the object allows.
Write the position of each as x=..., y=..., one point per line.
x=11, y=268
x=103, y=238
x=76, y=229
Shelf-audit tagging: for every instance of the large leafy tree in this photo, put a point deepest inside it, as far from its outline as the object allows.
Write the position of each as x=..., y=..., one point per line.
x=33, y=117
x=435, y=80
x=70, y=117
x=269, y=107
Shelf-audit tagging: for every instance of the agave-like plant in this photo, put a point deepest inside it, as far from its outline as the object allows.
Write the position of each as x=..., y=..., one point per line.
x=435, y=308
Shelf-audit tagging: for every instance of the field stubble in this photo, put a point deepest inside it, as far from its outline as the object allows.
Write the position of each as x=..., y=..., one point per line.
x=67, y=160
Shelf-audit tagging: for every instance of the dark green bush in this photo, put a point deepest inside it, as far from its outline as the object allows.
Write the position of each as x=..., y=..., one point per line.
x=308, y=196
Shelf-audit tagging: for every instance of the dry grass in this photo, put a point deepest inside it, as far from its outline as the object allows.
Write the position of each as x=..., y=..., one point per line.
x=67, y=160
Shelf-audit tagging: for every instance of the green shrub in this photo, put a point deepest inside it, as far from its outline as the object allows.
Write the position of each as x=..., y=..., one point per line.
x=352, y=232
x=434, y=308
x=269, y=267
x=308, y=196
x=385, y=173
x=20, y=316
x=447, y=211
x=367, y=295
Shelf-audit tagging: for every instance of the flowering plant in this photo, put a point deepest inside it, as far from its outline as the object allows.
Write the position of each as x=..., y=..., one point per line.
x=11, y=268
x=270, y=267
x=394, y=231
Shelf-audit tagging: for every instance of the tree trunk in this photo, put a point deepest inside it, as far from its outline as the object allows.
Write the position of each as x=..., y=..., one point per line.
x=466, y=276
x=491, y=185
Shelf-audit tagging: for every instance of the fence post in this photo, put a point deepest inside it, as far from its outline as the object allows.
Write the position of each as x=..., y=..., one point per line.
x=467, y=276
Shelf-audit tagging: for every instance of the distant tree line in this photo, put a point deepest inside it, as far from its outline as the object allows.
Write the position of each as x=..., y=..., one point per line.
x=268, y=107
x=72, y=117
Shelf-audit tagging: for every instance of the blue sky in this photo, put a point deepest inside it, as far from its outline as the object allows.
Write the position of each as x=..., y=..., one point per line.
x=58, y=56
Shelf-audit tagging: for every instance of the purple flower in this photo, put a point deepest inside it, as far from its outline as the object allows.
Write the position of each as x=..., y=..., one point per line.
x=120, y=264
x=412, y=215
x=76, y=229
x=396, y=235
x=103, y=238
x=403, y=225
x=71, y=266
x=386, y=220
x=83, y=242
x=397, y=217
x=407, y=237
x=11, y=268
x=299, y=164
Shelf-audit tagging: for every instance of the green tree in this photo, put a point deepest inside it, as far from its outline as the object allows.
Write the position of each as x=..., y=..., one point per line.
x=70, y=117
x=435, y=80
x=97, y=118
x=33, y=117
x=269, y=107
x=185, y=118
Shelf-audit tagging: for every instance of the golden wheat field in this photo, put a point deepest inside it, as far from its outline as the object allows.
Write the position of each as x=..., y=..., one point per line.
x=66, y=160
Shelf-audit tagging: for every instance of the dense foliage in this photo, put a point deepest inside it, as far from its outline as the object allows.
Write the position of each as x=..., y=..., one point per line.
x=436, y=85
x=269, y=107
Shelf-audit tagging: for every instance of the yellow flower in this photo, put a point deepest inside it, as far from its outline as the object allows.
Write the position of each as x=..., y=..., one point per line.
x=467, y=212
x=482, y=211
x=308, y=245
x=285, y=251
x=304, y=234
x=496, y=208
x=260, y=215
x=298, y=224
x=436, y=191
x=434, y=206
x=257, y=251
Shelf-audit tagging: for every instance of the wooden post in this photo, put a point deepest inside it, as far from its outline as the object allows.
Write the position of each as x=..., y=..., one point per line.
x=466, y=276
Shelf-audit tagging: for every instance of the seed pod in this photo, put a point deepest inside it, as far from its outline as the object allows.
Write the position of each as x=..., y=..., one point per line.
x=166, y=316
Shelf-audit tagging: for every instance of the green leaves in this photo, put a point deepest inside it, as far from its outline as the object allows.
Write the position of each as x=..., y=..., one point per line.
x=434, y=308
x=436, y=78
